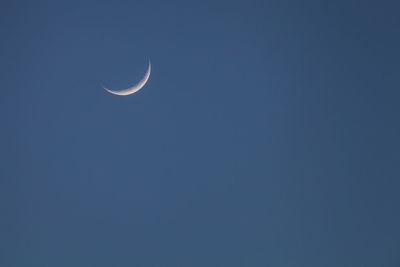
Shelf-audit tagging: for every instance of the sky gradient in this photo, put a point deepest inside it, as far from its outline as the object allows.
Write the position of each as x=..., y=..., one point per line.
x=266, y=135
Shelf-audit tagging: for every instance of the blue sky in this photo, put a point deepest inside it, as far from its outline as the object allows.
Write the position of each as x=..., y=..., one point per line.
x=267, y=134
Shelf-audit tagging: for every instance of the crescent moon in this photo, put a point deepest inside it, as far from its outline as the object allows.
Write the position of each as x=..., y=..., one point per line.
x=134, y=88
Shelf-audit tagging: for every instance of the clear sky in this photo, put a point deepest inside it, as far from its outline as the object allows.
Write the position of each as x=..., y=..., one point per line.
x=267, y=134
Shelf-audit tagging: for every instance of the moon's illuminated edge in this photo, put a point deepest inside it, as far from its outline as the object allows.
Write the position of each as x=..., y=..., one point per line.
x=134, y=88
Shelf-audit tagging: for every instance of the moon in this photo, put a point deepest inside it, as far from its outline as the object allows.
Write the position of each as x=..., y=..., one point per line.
x=134, y=88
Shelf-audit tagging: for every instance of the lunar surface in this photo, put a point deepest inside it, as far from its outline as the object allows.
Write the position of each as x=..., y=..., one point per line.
x=134, y=88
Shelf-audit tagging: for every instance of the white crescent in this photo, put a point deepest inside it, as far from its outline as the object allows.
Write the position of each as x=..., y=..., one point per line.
x=134, y=88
